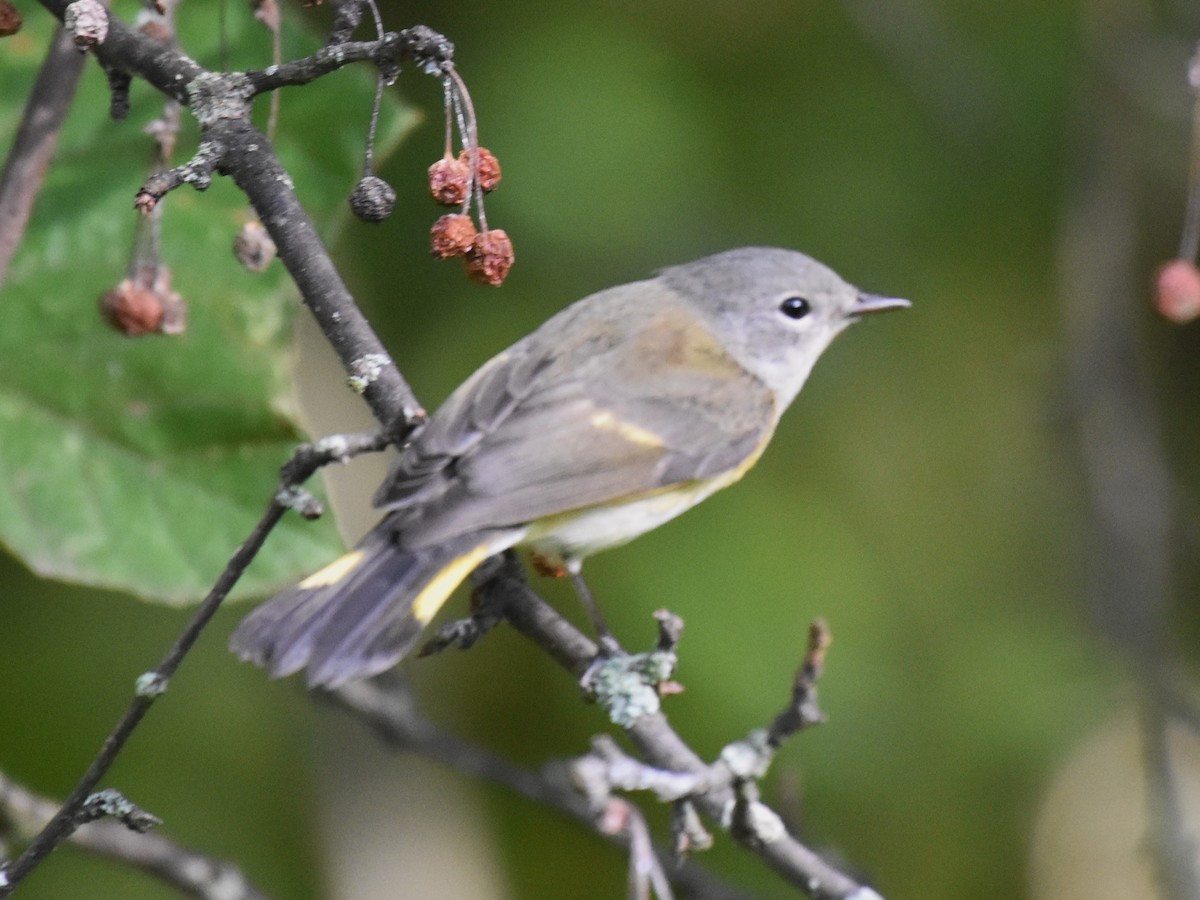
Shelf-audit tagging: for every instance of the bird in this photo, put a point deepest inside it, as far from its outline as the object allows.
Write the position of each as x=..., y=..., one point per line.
x=616, y=415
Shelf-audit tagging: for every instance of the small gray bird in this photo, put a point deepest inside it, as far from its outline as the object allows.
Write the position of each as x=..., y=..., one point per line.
x=616, y=415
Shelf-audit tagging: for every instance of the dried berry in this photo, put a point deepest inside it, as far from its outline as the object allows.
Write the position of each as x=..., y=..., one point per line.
x=145, y=305
x=452, y=235
x=132, y=310
x=10, y=19
x=450, y=181
x=489, y=167
x=253, y=247
x=1177, y=291
x=490, y=257
x=372, y=199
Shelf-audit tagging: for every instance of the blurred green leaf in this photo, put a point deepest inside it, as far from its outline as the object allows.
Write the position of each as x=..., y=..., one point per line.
x=140, y=464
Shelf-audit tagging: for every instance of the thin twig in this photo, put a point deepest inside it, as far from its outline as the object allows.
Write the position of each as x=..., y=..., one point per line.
x=1134, y=516
x=153, y=683
x=60, y=827
x=221, y=103
x=427, y=49
x=1189, y=237
x=662, y=747
x=386, y=705
x=192, y=873
x=35, y=141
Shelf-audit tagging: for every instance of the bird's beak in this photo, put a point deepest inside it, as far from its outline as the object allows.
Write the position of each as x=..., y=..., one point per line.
x=868, y=304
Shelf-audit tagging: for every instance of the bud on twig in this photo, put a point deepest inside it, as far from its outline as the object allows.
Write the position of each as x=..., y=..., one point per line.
x=87, y=23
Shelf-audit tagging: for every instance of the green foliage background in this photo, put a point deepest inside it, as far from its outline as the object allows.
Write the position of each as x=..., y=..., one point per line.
x=925, y=494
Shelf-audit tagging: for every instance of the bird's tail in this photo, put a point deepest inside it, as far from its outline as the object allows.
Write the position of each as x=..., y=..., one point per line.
x=363, y=612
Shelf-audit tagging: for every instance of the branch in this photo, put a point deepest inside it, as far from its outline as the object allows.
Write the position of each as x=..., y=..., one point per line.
x=36, y=140
x=186, y=870
x=1135, y=520
x=152, y=684
x=760, y=829
x=428, y=49
x=233, y=146
x=388, y=708
x=252, y=164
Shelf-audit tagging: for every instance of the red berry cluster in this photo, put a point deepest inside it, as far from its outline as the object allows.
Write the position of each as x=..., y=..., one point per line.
x=488, y=253
x=460, y=181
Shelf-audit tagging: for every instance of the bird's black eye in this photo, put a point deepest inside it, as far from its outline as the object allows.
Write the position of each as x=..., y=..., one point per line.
x=795, y=307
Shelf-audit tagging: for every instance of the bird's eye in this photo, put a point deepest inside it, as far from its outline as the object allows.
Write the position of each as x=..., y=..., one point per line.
x=795, y=307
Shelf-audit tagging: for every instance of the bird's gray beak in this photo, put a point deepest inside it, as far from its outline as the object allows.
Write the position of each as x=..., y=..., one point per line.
x=868, y=304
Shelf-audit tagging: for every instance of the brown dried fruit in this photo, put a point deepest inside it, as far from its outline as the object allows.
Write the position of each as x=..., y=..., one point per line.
x=1177, y=291
x=490, y=257
x=10, y=19
x=372, y=199
x=132, y=310
x=145, y=304
x=489, y=167
x=451, y=235
x=450, y=181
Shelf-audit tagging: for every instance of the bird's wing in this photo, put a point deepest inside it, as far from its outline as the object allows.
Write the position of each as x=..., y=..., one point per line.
x=533, y=435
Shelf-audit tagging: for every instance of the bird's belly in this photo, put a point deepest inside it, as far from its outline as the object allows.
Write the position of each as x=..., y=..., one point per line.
x=569, y=537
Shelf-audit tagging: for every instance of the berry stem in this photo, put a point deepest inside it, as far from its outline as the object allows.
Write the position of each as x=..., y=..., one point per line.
x=451, y=107
x=369, y=155
x=469, y=130
x=1189, y=241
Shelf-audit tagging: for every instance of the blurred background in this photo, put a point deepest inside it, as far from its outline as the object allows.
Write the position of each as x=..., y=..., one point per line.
x=990, y=497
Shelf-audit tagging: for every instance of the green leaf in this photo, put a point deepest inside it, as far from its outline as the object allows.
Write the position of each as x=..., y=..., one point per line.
x=141, y=464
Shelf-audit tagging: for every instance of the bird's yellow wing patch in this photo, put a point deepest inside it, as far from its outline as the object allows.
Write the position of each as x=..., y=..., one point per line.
x=635, y=434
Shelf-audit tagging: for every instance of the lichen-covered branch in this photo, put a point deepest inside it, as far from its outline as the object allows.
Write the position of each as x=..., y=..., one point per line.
x=231, y=144
x=386, y=706
x=758, y=828
x=24, y=813
x=419, y=45
x=75, y=810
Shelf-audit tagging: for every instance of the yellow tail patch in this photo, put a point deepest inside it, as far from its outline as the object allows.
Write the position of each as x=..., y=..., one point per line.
x=334, y=572
x=430, y=600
